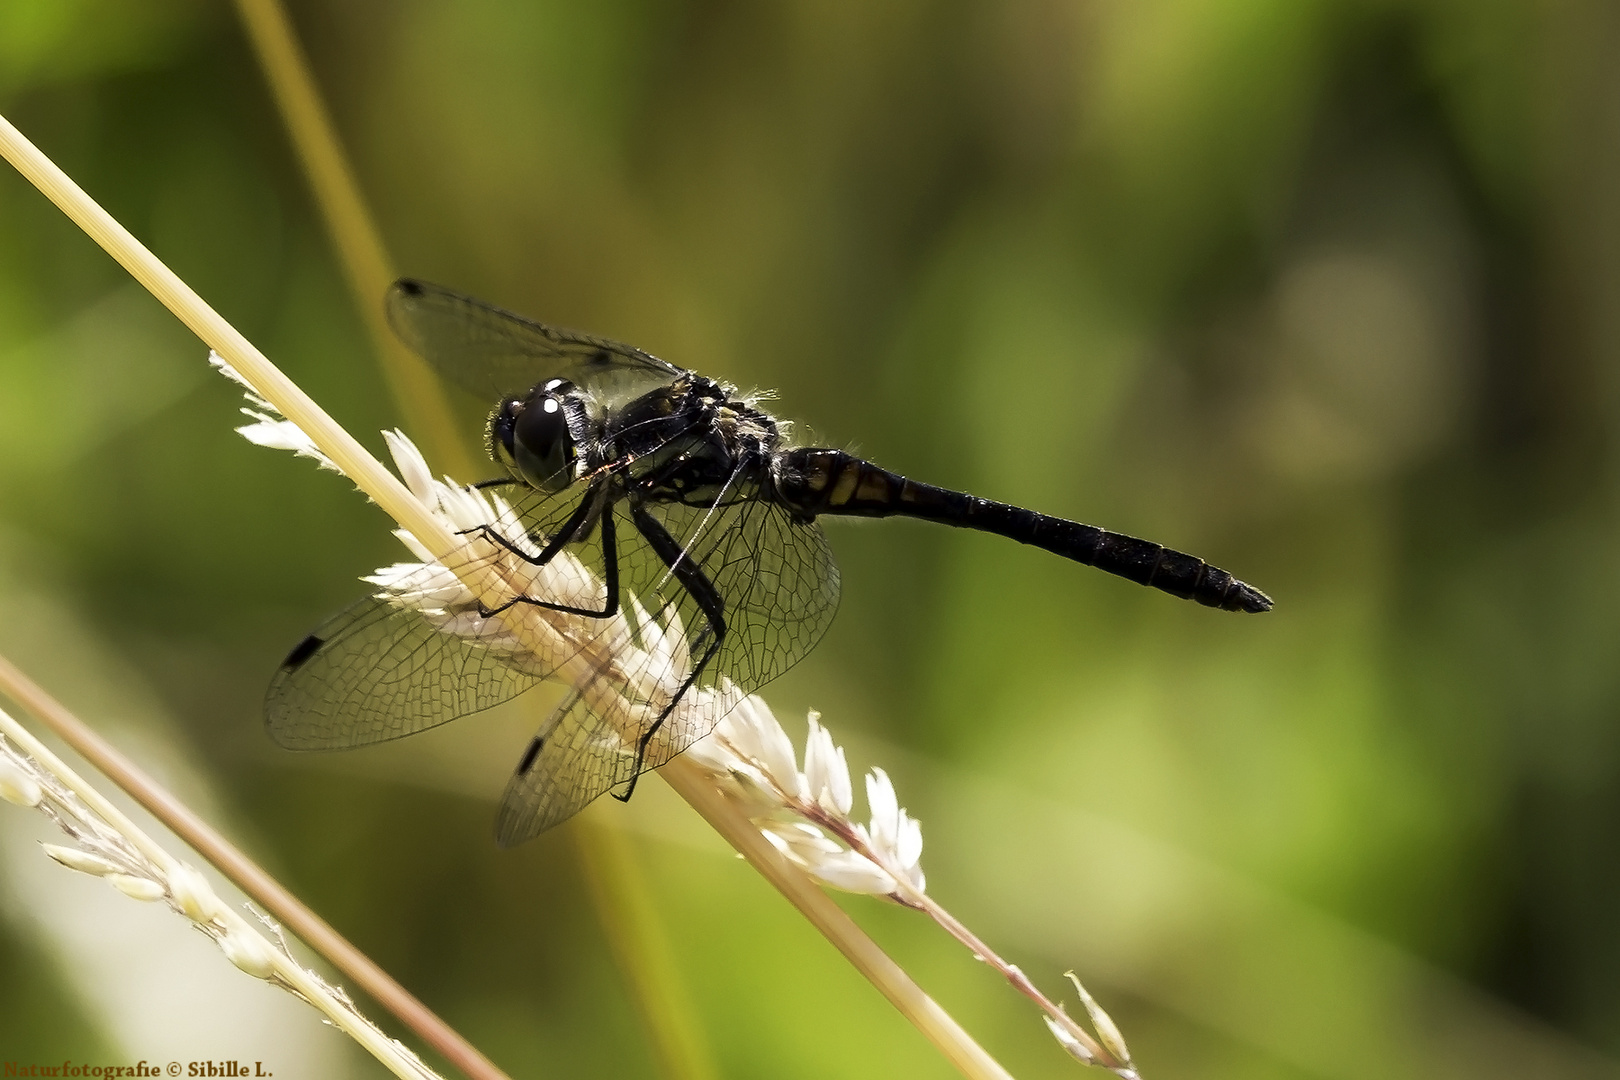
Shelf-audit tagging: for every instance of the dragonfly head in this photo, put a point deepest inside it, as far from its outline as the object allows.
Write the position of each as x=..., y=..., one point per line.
x=535, y=436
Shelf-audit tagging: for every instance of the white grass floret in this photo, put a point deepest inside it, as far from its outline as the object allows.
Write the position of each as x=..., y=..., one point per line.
x=250, y=952
x=17, y=786
x=412, y=465
x=86, y=862
x=805, y=814
x=193, y=895
x=144, y=889
x=1101, y=1022
x=269, y=428
x=1067, y=1039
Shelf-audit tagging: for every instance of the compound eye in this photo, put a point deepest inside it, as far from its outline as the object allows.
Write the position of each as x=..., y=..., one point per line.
x=542, y=446
x=501, y=423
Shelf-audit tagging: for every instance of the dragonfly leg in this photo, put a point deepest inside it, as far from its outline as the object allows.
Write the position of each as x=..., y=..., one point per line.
x=610, y=578
x=702, y=590
x=563, y=536
x=570, y=528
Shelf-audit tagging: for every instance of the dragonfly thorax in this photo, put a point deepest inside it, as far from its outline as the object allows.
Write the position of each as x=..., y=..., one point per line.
x=692, y=442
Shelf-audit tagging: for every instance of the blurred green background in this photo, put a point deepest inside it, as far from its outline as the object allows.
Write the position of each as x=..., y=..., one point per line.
x=1326, y=292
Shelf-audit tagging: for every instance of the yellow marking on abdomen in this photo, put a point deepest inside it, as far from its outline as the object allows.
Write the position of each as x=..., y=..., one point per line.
x=844, y=487
x=874, y=486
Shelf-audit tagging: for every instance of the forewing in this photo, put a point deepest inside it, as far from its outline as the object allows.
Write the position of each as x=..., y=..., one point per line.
x=379, y=671
x=384, y=669
x=780, y=586
x=491, y=352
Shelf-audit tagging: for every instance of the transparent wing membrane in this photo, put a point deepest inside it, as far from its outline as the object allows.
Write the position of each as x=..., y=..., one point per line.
x=659, y=671
x=419, y=651
x=489, y=351
x=779, y=588
x=379, y=671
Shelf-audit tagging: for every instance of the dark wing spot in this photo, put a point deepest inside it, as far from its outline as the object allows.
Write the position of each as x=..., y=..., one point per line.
x=302, y=652
x=529, y=755
x=601, y=358
x=409, y=286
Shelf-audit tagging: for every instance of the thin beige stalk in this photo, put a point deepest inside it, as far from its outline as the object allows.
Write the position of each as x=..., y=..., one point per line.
x=273, y=962
x=634, y=931
x=260, y=887
x=362, y=254
x=1108, y=1052
x=635, y=934
x=580, y=670
x=345, y=451
x=957, y=1045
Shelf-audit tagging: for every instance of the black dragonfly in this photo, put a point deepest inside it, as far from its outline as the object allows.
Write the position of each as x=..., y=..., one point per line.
x=691, y=511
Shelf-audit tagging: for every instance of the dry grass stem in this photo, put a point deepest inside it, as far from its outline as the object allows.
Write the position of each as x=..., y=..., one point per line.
x=362, y=254
x=106, y=844
x=247, y=875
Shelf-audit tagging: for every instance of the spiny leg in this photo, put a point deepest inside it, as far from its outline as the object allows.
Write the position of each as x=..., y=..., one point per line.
x=565, y=534
x=697, y=584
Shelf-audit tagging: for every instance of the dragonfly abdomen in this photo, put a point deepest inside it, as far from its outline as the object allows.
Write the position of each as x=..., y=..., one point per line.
x=819, y=481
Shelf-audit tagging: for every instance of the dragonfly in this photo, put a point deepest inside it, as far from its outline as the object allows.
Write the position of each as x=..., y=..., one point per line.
x=695, y=517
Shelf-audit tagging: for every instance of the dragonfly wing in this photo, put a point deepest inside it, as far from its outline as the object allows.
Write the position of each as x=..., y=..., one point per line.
x=417, y=654
x=574, y=758
x=490, y=351
x=775, y=575
x=380, y=671
x=580, y=753
x=779, y=588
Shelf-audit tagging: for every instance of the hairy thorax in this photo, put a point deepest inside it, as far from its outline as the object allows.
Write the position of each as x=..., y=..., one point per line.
x=693, y=442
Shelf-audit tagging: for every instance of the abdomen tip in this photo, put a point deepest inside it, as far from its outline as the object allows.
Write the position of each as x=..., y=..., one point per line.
x=1248, y=598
